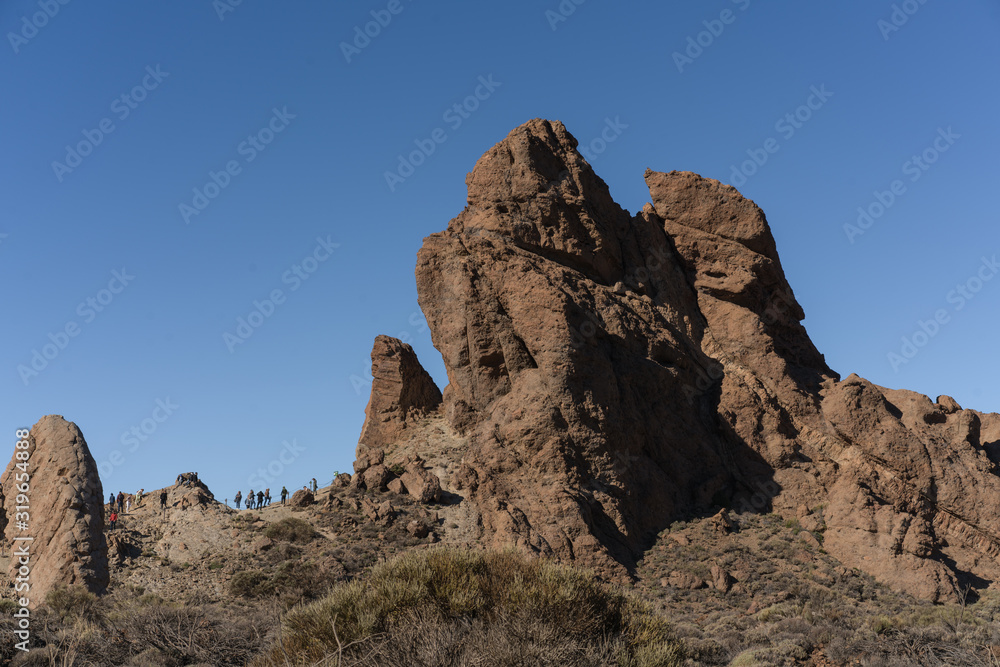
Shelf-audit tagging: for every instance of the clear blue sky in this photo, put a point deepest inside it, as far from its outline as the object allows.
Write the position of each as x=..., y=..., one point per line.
x=214, y=82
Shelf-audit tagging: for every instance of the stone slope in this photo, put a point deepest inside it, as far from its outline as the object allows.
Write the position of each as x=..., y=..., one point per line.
x=611, y=373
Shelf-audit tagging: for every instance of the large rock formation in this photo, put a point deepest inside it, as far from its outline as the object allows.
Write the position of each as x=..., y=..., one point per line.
x=613, y=372
x=66, y=519
x=402, y=391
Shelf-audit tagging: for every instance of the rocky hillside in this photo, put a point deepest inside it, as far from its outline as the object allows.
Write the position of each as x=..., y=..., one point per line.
x=635, y=394
x=609, y=373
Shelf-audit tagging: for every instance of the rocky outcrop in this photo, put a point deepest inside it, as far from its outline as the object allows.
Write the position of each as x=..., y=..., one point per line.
x=611, y=373
x=401, y=392
x=65, y=508
x=303, y=498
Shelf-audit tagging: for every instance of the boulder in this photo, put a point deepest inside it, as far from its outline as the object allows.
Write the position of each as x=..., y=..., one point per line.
x=65, y=516
x=417, y=528
x=376, y=477
x=722, y=581
x=303, y=498
x=422, y=485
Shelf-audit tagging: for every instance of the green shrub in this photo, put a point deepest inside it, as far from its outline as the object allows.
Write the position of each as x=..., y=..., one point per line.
x=449, y=592
x=71, y=601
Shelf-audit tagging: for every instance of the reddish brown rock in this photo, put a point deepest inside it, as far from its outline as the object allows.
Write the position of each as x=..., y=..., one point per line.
x=422, y=485
x=302, y=498
x=402, y=391
x=66, y=518
x=376, y=477
x=611, y=373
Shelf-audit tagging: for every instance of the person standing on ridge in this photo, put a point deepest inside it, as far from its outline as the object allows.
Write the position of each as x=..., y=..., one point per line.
x=121, y=501
x=260, y=499
x=284, y=494
x=138, y=497
x=112, y=519
x=267, y=497
x=163, y=500
x=250, y=499
x=238, y=499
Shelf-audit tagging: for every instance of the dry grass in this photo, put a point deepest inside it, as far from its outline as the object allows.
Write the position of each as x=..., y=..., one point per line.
x=452, y=607
x=127, y=628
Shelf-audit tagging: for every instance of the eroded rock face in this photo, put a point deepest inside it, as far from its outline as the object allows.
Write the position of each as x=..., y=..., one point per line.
x=66, y=519
x=613, y=372
x=401, y=391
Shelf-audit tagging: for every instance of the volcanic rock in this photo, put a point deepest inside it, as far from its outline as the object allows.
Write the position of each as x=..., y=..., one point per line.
x=402, y=391
x=611, y=373
x=422, y=485
x=302, y=498
x=66, y=517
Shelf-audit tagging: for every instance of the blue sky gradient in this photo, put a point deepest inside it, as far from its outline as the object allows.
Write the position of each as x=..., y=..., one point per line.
x=227, y=76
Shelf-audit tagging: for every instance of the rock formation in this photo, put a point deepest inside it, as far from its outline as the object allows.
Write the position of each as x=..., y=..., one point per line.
x=66, y=519
x=401, y=392
x=612, y=373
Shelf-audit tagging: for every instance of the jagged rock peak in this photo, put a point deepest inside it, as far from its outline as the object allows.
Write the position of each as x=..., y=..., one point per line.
x=609, y=374
x=401, y=392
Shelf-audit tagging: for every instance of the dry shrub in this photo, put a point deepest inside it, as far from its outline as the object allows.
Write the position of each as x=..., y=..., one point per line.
x=71, y=602
x=123, y=629
x=463, y=607
x=290, y=529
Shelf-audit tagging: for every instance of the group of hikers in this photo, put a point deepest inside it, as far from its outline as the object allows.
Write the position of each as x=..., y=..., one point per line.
x=263, y=498
x=123, y=503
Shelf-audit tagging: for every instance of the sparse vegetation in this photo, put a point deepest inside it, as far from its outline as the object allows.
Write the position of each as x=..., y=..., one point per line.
x=290, y=529
x=470, y=606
